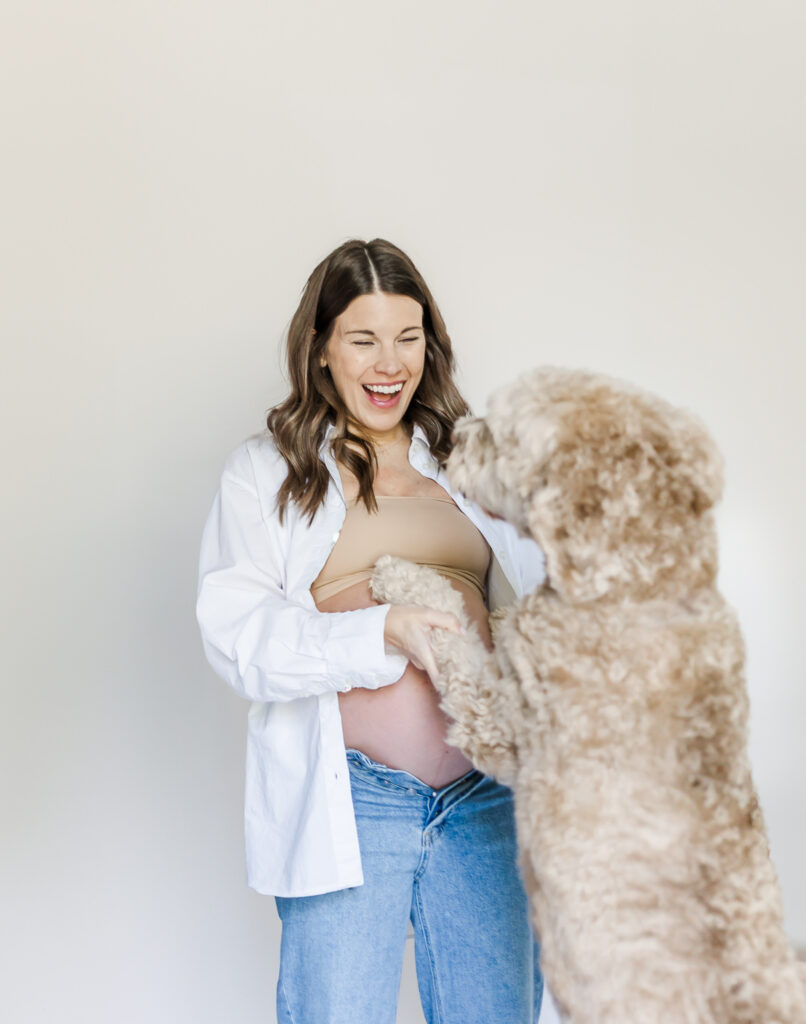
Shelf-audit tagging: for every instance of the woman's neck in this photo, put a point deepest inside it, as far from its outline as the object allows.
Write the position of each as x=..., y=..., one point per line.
x=386, y=439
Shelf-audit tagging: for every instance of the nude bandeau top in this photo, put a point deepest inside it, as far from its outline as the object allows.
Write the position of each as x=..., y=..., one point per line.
x=424, y=529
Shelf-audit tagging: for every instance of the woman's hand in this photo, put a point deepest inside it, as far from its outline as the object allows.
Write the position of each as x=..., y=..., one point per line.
x=408, y=628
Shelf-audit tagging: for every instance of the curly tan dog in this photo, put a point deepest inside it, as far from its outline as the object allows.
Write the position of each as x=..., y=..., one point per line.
x=614, y=705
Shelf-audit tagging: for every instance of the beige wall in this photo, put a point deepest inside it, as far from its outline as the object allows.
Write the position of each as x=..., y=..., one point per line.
x=616, y=186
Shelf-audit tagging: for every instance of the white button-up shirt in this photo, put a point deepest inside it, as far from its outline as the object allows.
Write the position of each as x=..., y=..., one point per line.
x=263, y=634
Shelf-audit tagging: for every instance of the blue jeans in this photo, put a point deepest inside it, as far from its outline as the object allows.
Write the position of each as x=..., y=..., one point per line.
x=444, y=859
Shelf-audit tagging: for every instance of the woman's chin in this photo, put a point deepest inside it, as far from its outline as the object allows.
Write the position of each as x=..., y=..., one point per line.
x=377, y=420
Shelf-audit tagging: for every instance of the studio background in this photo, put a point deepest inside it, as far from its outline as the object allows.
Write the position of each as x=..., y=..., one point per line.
x=611, y=186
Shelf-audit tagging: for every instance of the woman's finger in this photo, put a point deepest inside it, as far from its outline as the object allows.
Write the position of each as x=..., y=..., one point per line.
x=430, y=666
x=444, y=620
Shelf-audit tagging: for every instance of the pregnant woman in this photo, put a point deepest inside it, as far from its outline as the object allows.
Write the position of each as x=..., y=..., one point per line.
x=359, y=816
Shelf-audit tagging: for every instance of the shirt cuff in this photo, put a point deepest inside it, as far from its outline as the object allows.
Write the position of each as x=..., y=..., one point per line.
x=355, y=650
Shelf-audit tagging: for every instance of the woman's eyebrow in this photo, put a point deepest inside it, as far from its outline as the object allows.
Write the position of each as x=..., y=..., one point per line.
x=416, y=327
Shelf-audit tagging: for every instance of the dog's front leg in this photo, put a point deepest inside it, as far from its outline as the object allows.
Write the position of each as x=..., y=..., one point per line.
x=476, y=693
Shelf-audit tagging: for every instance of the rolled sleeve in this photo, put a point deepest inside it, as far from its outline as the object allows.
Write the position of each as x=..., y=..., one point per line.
x=356, y=651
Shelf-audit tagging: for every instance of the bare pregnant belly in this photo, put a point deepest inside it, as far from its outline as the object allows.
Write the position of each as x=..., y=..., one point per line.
x=402, y=725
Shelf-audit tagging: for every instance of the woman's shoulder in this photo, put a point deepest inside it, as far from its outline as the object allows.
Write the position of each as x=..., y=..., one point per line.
x=253, y=473
x=258, y=465
x=257, y=460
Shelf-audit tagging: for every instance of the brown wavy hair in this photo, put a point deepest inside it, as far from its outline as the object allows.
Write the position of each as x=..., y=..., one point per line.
x=298, y=424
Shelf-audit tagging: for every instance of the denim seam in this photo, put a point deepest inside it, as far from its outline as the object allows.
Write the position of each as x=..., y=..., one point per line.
x=424, y=851
x=437, y=995
x=374, y=779
x=447, y=789
x=285, y=999
x=447, y=810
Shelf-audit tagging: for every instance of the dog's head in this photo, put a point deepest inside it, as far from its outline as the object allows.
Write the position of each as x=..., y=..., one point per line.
x=614, y=484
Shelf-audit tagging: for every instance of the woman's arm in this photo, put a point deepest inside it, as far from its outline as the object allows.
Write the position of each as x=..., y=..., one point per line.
x=266, y=647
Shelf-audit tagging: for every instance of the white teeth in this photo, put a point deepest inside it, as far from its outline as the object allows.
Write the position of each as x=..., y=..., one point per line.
x=384, y=389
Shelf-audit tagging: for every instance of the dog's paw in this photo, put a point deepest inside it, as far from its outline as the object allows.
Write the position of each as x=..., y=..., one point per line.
x=398, y=581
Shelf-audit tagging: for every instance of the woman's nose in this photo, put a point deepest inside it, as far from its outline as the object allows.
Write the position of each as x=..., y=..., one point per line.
x=388, y=360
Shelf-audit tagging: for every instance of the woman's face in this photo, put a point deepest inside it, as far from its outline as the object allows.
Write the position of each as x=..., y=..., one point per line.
x=376, y=356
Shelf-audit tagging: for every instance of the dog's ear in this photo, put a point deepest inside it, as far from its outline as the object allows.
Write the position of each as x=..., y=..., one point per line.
x=624, y=493
x=569, y=529
x=695, y=459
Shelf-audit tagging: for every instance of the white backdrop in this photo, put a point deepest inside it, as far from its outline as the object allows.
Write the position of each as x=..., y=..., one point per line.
x=616, y=186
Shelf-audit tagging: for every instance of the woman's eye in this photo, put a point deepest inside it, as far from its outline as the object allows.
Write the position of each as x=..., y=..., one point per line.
x=367, y=341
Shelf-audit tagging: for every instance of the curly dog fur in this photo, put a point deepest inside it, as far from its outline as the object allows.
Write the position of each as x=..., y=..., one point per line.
x=614, y=704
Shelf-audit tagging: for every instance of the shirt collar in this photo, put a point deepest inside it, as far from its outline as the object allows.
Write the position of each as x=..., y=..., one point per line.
x=418, y=434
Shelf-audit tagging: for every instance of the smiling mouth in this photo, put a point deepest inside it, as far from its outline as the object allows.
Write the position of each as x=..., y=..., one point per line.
x=384, y=396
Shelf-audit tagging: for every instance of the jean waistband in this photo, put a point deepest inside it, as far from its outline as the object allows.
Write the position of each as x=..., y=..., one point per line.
x=405, y=780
